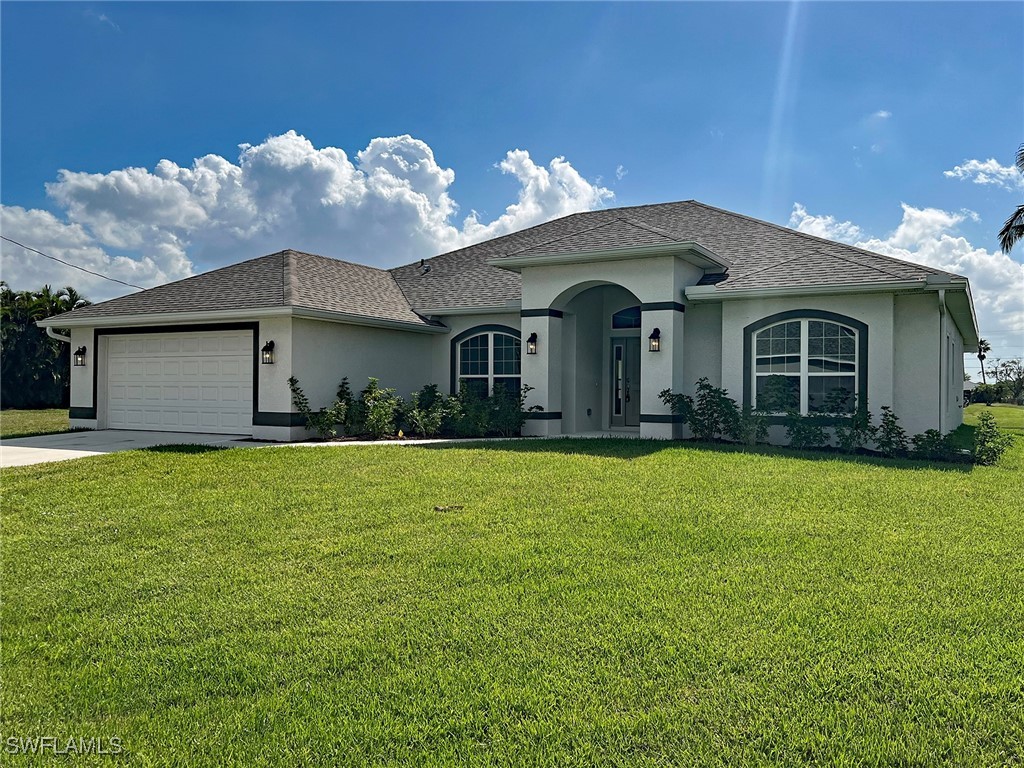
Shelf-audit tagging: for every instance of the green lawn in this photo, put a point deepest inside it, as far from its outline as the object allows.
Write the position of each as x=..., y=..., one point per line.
x=590, y=603
x=15, y=423
x=1008, y=417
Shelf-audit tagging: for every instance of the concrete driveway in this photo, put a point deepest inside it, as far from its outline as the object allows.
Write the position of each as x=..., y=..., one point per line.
x=22, y=451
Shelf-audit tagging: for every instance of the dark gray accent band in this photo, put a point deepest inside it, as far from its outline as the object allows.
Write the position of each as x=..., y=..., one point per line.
x=661, y=418
x=809, y=314
x=656, y=305
x=278, y=419
x=540, y=313
x=78, y=412
x=542, y=415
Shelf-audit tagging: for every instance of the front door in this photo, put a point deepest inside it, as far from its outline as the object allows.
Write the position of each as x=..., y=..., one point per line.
x=625, y=382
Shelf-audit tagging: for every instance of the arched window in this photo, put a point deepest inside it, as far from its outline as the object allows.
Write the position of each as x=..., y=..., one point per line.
x=812, y=363
x=627, y=318
x=487, y=357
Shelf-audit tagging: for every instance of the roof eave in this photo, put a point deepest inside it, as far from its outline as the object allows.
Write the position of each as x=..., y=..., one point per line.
x=714, y=293
x=255, y=313
x=695, y=253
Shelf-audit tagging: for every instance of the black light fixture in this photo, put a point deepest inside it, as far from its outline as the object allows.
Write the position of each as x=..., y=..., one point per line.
x=531, y=344
x=267, y=353
x=80, y=356
x=655, y=340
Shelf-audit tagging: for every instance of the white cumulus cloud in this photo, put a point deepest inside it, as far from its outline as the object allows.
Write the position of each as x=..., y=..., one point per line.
x=388, y=205
x=929, y=236
x=987, y=172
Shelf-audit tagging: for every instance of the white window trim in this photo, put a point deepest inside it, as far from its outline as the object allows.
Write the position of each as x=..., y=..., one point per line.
x=490, y=376
x=805, y=373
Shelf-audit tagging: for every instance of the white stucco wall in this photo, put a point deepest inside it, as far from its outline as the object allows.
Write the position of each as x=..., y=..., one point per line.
x=324, y=352
x=82, y=376
x=875, y=310
x=702, y=345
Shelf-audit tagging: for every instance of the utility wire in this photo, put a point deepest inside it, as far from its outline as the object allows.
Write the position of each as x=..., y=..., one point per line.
x=69, y=264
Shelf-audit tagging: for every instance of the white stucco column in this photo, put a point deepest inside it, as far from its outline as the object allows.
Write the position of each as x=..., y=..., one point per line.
x=543, y=371
x=660, y=370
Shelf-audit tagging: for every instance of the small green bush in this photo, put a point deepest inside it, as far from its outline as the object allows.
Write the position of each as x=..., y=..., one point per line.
x=890, y=438
x=804, y=432
x=714, y=413
x=324, y=421
x=856, y=432
x=382, y=408
x=990, y=443
x=427, y=411
x=508, y=410
x=750, y=427
x=470, y=415
x=933, y=445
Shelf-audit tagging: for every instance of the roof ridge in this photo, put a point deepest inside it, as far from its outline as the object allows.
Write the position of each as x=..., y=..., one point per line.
x=866, y=265
x=765, y=268
x=561, y=237
x=332, y=258
x=652, y=228
x=816, y=238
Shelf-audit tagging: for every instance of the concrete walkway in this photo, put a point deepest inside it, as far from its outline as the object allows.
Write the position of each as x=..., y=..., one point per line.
x=22, y=451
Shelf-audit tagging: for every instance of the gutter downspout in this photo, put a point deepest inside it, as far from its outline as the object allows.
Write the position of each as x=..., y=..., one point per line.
x=58, y=336
x=942, y=351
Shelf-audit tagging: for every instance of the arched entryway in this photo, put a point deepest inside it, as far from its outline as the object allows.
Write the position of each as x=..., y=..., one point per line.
x=601, y=359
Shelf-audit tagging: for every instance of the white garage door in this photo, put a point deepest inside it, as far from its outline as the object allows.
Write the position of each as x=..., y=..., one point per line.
x=181, y=382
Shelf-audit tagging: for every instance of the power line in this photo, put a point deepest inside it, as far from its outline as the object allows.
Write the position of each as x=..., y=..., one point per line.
x=69, y=264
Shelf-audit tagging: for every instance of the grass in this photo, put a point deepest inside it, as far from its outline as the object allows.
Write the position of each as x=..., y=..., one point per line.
x=16, y=423
x=592, y=602
x=1009, y=417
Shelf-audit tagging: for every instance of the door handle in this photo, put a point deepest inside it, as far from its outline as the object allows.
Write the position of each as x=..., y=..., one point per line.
x=627, y=390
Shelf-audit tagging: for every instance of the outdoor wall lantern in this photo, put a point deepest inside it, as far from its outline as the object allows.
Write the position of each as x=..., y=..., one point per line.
x=531, y=344
x=267, y=353
x=655, y=340
x=80, y=356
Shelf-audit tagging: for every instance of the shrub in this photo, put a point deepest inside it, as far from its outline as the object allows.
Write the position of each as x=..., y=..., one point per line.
x=932, y=444
x=681, y=405
x=856, y=432
x=804, y=432
x=354, y=420
x=890, y=438
x=324, y=421
x=750, y=427
x=508, y=412
x=470, y=415
x=427, y=411
x=713, y=413
x=381, y=407
x=990, y=443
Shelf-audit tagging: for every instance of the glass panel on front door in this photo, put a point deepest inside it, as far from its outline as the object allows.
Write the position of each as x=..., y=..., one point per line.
x=625, y=405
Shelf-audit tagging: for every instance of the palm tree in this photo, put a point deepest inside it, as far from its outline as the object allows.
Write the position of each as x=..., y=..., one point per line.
x=983, y=349
x=1013, y=229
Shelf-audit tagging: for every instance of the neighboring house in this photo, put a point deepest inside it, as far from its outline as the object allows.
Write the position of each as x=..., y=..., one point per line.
x=598, y=312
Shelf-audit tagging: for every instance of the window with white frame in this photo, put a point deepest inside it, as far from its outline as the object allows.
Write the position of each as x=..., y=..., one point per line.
x=807, y=365
x=490, y=359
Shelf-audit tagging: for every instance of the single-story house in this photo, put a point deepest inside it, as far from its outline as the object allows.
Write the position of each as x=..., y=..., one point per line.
x=597, y=311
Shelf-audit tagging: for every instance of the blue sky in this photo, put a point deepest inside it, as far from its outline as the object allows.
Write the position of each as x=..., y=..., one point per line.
x=848, y=110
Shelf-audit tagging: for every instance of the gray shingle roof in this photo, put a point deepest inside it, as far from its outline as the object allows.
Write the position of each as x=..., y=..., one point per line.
x=762, y=255
x=283, y=279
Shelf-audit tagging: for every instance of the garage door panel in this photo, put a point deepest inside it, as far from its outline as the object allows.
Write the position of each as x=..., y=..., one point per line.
x=198, y=381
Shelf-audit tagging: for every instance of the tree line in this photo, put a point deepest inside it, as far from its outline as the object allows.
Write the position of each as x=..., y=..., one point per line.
x=35, y=370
